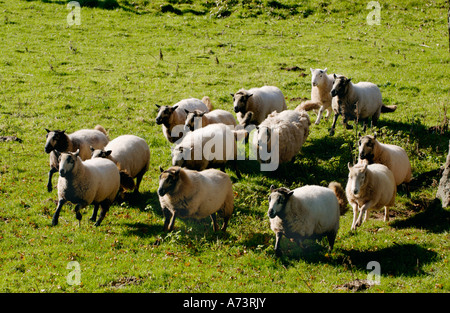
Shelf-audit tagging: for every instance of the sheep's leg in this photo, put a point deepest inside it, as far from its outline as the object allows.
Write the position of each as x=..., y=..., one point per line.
x=236, y=169
x=319, y=116
x=278, y=252
x=363, y=211
x=386, y=214
x=77, y=212
x=335, y=118
x=331, y=238
x=408, y=193
x=139, y=177
x=52, y=171
x=94, y=213
x=58, y=210
x=225, y=223
x=214, y=220
x=105, y=208
x=355, y=215
x=169, y=220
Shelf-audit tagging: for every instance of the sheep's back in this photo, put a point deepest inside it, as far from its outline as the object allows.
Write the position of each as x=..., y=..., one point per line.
x=264, y=101
x=103, y=179
x=369, y=98
x=396, y=159
x=384, y=183
x=312, y=210
x=84, y=138
x=130, y=152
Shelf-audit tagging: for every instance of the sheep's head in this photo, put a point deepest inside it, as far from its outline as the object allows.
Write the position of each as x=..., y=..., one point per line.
x=67, y=162
x=357, y=176
x=240, y=99
x=366, y=148
x=277, y=201
x=56, y=140
x=180, y=154
x=168, y=180
x=340, y=86
x=194, y=119
x=99, y=153
x=164, y=114
x=318, y=76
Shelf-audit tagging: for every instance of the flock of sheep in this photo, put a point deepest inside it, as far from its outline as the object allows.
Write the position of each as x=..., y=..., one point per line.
x=94, y=170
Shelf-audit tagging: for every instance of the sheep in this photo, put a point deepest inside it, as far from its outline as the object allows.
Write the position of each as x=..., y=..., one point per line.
x=94, y=181
x=197, y=119
x=394, y=157
x=369, y=186
x=307, y=212
x=131, y=154
x=58, y=141
x=321, y=85
x=359, y=101
x=172, y=118
x=191, y=194
x=261, y=101
x=291, y=128
x=209, y=146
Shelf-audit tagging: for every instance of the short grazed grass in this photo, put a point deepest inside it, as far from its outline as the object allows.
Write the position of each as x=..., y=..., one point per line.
x=108, y=71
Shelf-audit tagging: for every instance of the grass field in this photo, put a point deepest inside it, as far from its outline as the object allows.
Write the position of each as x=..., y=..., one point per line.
x=108, y=71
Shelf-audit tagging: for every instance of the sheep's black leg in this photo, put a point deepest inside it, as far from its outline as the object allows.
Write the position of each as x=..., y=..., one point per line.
x=169, y=220
x=214, y=220
x=139, y=179
x=236, y=169
x=331, y=238
x=77, y=213
x=277, y=244
x=94, y=213
x=52, y=171
x=335, y=118
x=408, y=194
x=225, y=223
x=105, y=208
x=58, y=210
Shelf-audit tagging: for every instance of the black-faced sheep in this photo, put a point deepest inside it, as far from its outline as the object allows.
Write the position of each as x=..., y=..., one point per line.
x=261, y=101
x=370, y=187
x=58, y=141
x=359, y=102
x=131, y=154
x=198, y=119
x=94, y=181
x=172, y=118
x=190, y=194
x=306, y=212
x=394, y=157
x=210, y=146
x=285, y=132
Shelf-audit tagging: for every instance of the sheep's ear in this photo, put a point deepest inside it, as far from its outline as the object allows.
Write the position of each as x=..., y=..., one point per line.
x=375, y=135
x=161, y=169
x=349, y=166
x=334, y=75
x=325, y=70
x=232, y=94
x=174, y=107
x=63, y=131
x=272, y=188
x=46, y=130
x=187, y=111
x=289, y=193
x=92, y=148
x=158, y=106
x=249, y=96
x=177, y=172
x=77, y=153
x=312, y=70
x=348, y=80
x=108, y=152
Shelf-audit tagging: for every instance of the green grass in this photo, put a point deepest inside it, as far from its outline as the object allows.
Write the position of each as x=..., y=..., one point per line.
x=108, y=71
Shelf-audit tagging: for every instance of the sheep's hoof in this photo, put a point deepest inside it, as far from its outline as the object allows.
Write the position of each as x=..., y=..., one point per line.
x=78, y=216
x=331, y=132
x=97, y=223
x=54, y=222
x=349, y=126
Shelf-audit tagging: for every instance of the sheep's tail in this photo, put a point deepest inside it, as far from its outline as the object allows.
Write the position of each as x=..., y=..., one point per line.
x=308, y=105
x=388, y=108
x=207, y=101
x=102, y=129
x=340, y=195
x=126, y=181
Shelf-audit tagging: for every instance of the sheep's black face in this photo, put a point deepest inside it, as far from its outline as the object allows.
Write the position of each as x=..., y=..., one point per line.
x=366, y=148
x=164, y=114
x=340, y=86
x=168, y=181
x=277, y=201
x=100, y=153
x=55, y=140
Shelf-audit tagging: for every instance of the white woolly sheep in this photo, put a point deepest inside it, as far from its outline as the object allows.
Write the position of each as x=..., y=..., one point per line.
x=370, y=187
x=321, y=85
x=58, y=141
x=198, y=119
x=210, y=146
x=94, y=181
x=131, y=154
x=172, y=118
x=394, y=157
x=358, y=102
x=290, y=126
x=261, y=101
x=190, y=194
x=306, y=212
